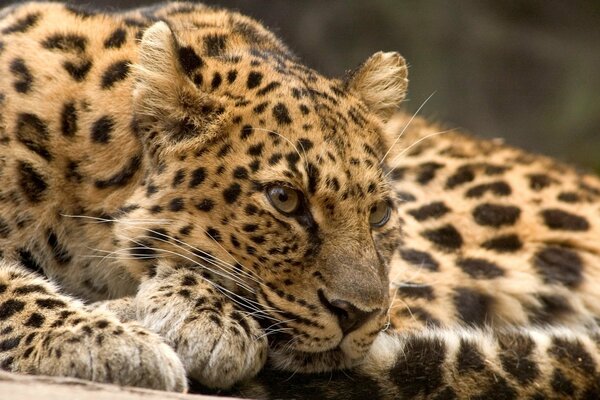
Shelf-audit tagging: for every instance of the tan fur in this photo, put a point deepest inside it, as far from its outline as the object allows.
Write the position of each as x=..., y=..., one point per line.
x=137, y=156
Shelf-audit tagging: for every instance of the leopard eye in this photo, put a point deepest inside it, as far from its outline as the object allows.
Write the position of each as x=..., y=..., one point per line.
x=284, y=199
x=380, y=214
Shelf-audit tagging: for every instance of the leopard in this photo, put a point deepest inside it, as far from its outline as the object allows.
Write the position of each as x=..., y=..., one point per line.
x=493, y=280
x=183, y=199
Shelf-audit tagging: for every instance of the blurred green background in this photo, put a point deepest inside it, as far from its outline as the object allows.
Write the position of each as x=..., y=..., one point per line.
x=524, y=70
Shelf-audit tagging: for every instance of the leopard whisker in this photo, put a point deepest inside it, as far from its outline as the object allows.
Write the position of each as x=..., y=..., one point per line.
x=406, y=127
x=225, y=273
x=133, y=222
x=228, y=293
x=397, y=159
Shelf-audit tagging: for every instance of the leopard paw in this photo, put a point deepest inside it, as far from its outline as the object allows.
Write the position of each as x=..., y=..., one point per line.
x=234, y=349
x=104, y=351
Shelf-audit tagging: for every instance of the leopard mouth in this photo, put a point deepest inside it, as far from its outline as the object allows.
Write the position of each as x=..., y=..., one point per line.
x=341, y=354
x=304, y=362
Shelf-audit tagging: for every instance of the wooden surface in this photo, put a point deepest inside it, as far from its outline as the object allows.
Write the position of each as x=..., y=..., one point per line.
x=25, y=387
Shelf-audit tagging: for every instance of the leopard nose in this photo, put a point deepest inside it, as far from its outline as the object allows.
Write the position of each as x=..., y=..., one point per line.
x=350, y=318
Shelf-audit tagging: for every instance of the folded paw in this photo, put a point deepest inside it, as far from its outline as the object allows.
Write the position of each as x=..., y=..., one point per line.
x=218, y=344
x=220, y=350
x=103, y=350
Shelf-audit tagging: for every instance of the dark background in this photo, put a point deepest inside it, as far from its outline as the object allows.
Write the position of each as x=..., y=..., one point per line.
x=524, y=70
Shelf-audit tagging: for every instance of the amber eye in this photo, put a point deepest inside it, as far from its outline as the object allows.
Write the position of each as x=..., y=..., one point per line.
x=380, y=214
x=284, y=199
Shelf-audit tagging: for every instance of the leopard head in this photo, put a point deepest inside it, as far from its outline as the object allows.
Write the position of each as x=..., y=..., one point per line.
x=265, y=178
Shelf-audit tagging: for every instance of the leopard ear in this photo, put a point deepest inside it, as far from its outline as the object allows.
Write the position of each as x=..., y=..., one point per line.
x=381, y=82
x=168, y=107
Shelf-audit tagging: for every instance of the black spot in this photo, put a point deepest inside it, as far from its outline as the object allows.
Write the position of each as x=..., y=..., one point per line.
x=538, y=182
x=572, y=354
x=22, y=24
x=462, y=175
x=254, y=79
x=260, y=108
x=214, y=234
x=65, y=42
x=305, y=144
x=78, y=70
x=469, y=358
x=31, y=181
x=178, y=178
x=419, y=367
x=33, y=133
x=473, y=307
x=116, y=72
x=30, y=289
x=268, y=88
x=23, y=76
x=254, y=165
x=275, y=158
x=561, y=220
x=232, y=193
x=49, y=303
x=432, y=210
x=516, y=357
x=10, y=307
x=427, y=172
x=176, y=204
x=446, y=237
x=479, y=268
x=313, y=177
x=416, y=291
x=419, y=259
x=281, y=114
x=559, y=265
x=552, y=307
x=292, y=159
x=216, y=81
x=231, y=76
x=10, y=344
x=240, y=173
x=189, y=60
x=562, y=384
x=29, y=262
x=496, y=215
x=499, y=188
x=245, y=132
x=68, y=119
x=568, y=197
x=122, y=177
x=256, y=150
x=116, y=39
x=198, y=176
x=61, y=255
x=102, y=129
x=250, y=228
x=498, y=389
x=214, y=45
x=503, y=244
x=205, y=205
x=35, y=320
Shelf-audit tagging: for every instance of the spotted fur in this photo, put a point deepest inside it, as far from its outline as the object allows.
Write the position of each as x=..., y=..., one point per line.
x=139, y=246
x=494, y=280
x=137, y=150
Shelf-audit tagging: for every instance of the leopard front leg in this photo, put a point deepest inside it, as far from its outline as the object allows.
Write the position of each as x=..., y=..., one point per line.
x=218, y=344
x=45, y=333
